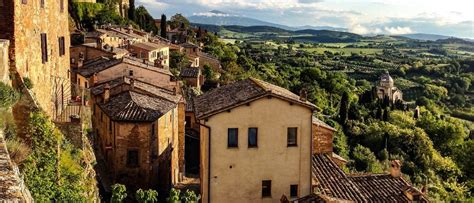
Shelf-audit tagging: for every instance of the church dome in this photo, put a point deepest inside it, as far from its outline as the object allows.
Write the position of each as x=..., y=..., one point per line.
x=386, y=79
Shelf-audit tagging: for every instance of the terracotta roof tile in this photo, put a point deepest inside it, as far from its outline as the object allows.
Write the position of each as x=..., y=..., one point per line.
x=189, y=72
x=330, y=180
x=239, y=93
x=137, y=107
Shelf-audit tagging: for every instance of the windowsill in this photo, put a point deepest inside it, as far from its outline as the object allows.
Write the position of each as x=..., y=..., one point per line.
x=253, y=147
x=267, y=197
x=232, y=147
x=293, y=145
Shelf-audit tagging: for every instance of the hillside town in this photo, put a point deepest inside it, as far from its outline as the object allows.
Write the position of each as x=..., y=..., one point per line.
x=147, y=124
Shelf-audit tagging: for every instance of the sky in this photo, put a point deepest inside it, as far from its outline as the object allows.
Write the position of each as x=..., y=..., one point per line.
x=367, y=17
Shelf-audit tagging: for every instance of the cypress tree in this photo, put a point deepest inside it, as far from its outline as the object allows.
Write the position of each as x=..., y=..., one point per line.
x=386, y=115
x=344, y=108
x=163, y=26
x=131, y=10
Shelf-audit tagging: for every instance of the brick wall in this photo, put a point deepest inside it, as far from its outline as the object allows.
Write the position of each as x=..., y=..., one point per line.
x=322, y=139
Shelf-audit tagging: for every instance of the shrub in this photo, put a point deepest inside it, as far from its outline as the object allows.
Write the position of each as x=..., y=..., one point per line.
x=8, y=96
x=18, y=150
x=190, y=197
x=145, y=196
x=119, y=193
x=28, y=83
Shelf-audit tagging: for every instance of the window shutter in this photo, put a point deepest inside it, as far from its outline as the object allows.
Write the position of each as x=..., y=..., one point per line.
x=61, y=5
x=44, y=48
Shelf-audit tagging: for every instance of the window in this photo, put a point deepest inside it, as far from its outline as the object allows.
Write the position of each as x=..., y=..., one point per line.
x=62, y=47
x=232, y=137
x=44, y=48
x=24, y=1
x=130, y=73
x=253, y=133
x=292, y=137
x=86, y=85
x=293, y=190
x=266, y=188
x=42, y=3
x=61, y=5
x=132, y=158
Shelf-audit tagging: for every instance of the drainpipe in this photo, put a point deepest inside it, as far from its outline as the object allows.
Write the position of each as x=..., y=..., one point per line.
x=208, y=163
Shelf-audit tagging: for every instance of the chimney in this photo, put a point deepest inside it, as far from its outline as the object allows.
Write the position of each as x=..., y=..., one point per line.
x=303, y=95
x=132, y=83
x=395, y=168
x=106, y=94
x=93, y=80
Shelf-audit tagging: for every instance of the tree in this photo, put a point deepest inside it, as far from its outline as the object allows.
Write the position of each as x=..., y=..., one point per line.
x=163, y=26
x=208, y=72
x=365, y=160
x=386, y=115
x=119, y=193
x=146, y=196
x=344, y=108
x=145, y=20
x=131, y=10
x=179, y=20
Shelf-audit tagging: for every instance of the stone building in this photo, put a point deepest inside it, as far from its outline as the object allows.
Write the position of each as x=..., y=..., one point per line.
x=39, y=48
x=136, y=128
x=105, y=69
x=153, y=52
x=118, y=37
x=322, y=137
x=386, y=88
x=255, y=143
x=192, y=77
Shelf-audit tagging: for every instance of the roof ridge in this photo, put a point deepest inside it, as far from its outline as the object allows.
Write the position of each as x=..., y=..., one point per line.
x=259, y=84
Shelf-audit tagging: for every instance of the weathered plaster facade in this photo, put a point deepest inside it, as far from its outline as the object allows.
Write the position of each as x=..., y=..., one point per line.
x=158, y=159
x=236, y=174
x=23, y=22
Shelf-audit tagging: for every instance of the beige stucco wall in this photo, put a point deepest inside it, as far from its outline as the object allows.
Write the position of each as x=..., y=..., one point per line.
x=237, y=173
x=30, y=20
x=4, y=64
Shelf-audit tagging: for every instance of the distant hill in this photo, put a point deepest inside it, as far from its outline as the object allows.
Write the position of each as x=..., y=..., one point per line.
x=424, y=36
x=328, y=36
x=216, y=17
x=220, y=18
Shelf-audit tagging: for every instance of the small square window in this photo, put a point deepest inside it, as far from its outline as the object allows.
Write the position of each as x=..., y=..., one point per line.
x=293, y=190
x=266, y=188
x=232, y=137
x=24, y=1
x=42, y=3
x=253, y=134
x=292, y=137
x=132, y=158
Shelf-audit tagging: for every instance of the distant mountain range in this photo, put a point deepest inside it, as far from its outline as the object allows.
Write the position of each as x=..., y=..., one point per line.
x=424, y=36
x=215, y=17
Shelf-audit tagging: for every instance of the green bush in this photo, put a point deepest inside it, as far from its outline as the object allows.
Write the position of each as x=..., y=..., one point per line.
x=28, y=83
x=119, y=193
x=8, y=96
x=146, y=196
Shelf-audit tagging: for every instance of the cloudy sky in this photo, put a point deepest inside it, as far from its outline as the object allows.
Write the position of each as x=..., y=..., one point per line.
x=447, y=17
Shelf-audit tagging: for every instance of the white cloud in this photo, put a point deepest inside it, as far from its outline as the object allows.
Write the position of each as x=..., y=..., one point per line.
x=398, y=30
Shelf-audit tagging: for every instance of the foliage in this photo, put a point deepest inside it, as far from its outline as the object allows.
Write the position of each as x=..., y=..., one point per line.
x=8, y=96
x=190, y=197
x=53, y=170
x=344, y=109
x=145, y=20
x=174, y=196
x=179, y=20
x=145, y=196
x=28, y=83
x=119, y=193
x=163, y=26
x=365, y=160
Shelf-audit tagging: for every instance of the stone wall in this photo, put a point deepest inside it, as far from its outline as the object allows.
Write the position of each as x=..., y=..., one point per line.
x=24, y=28
x=322, y=139
x=4, y=64
x=12, y=187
